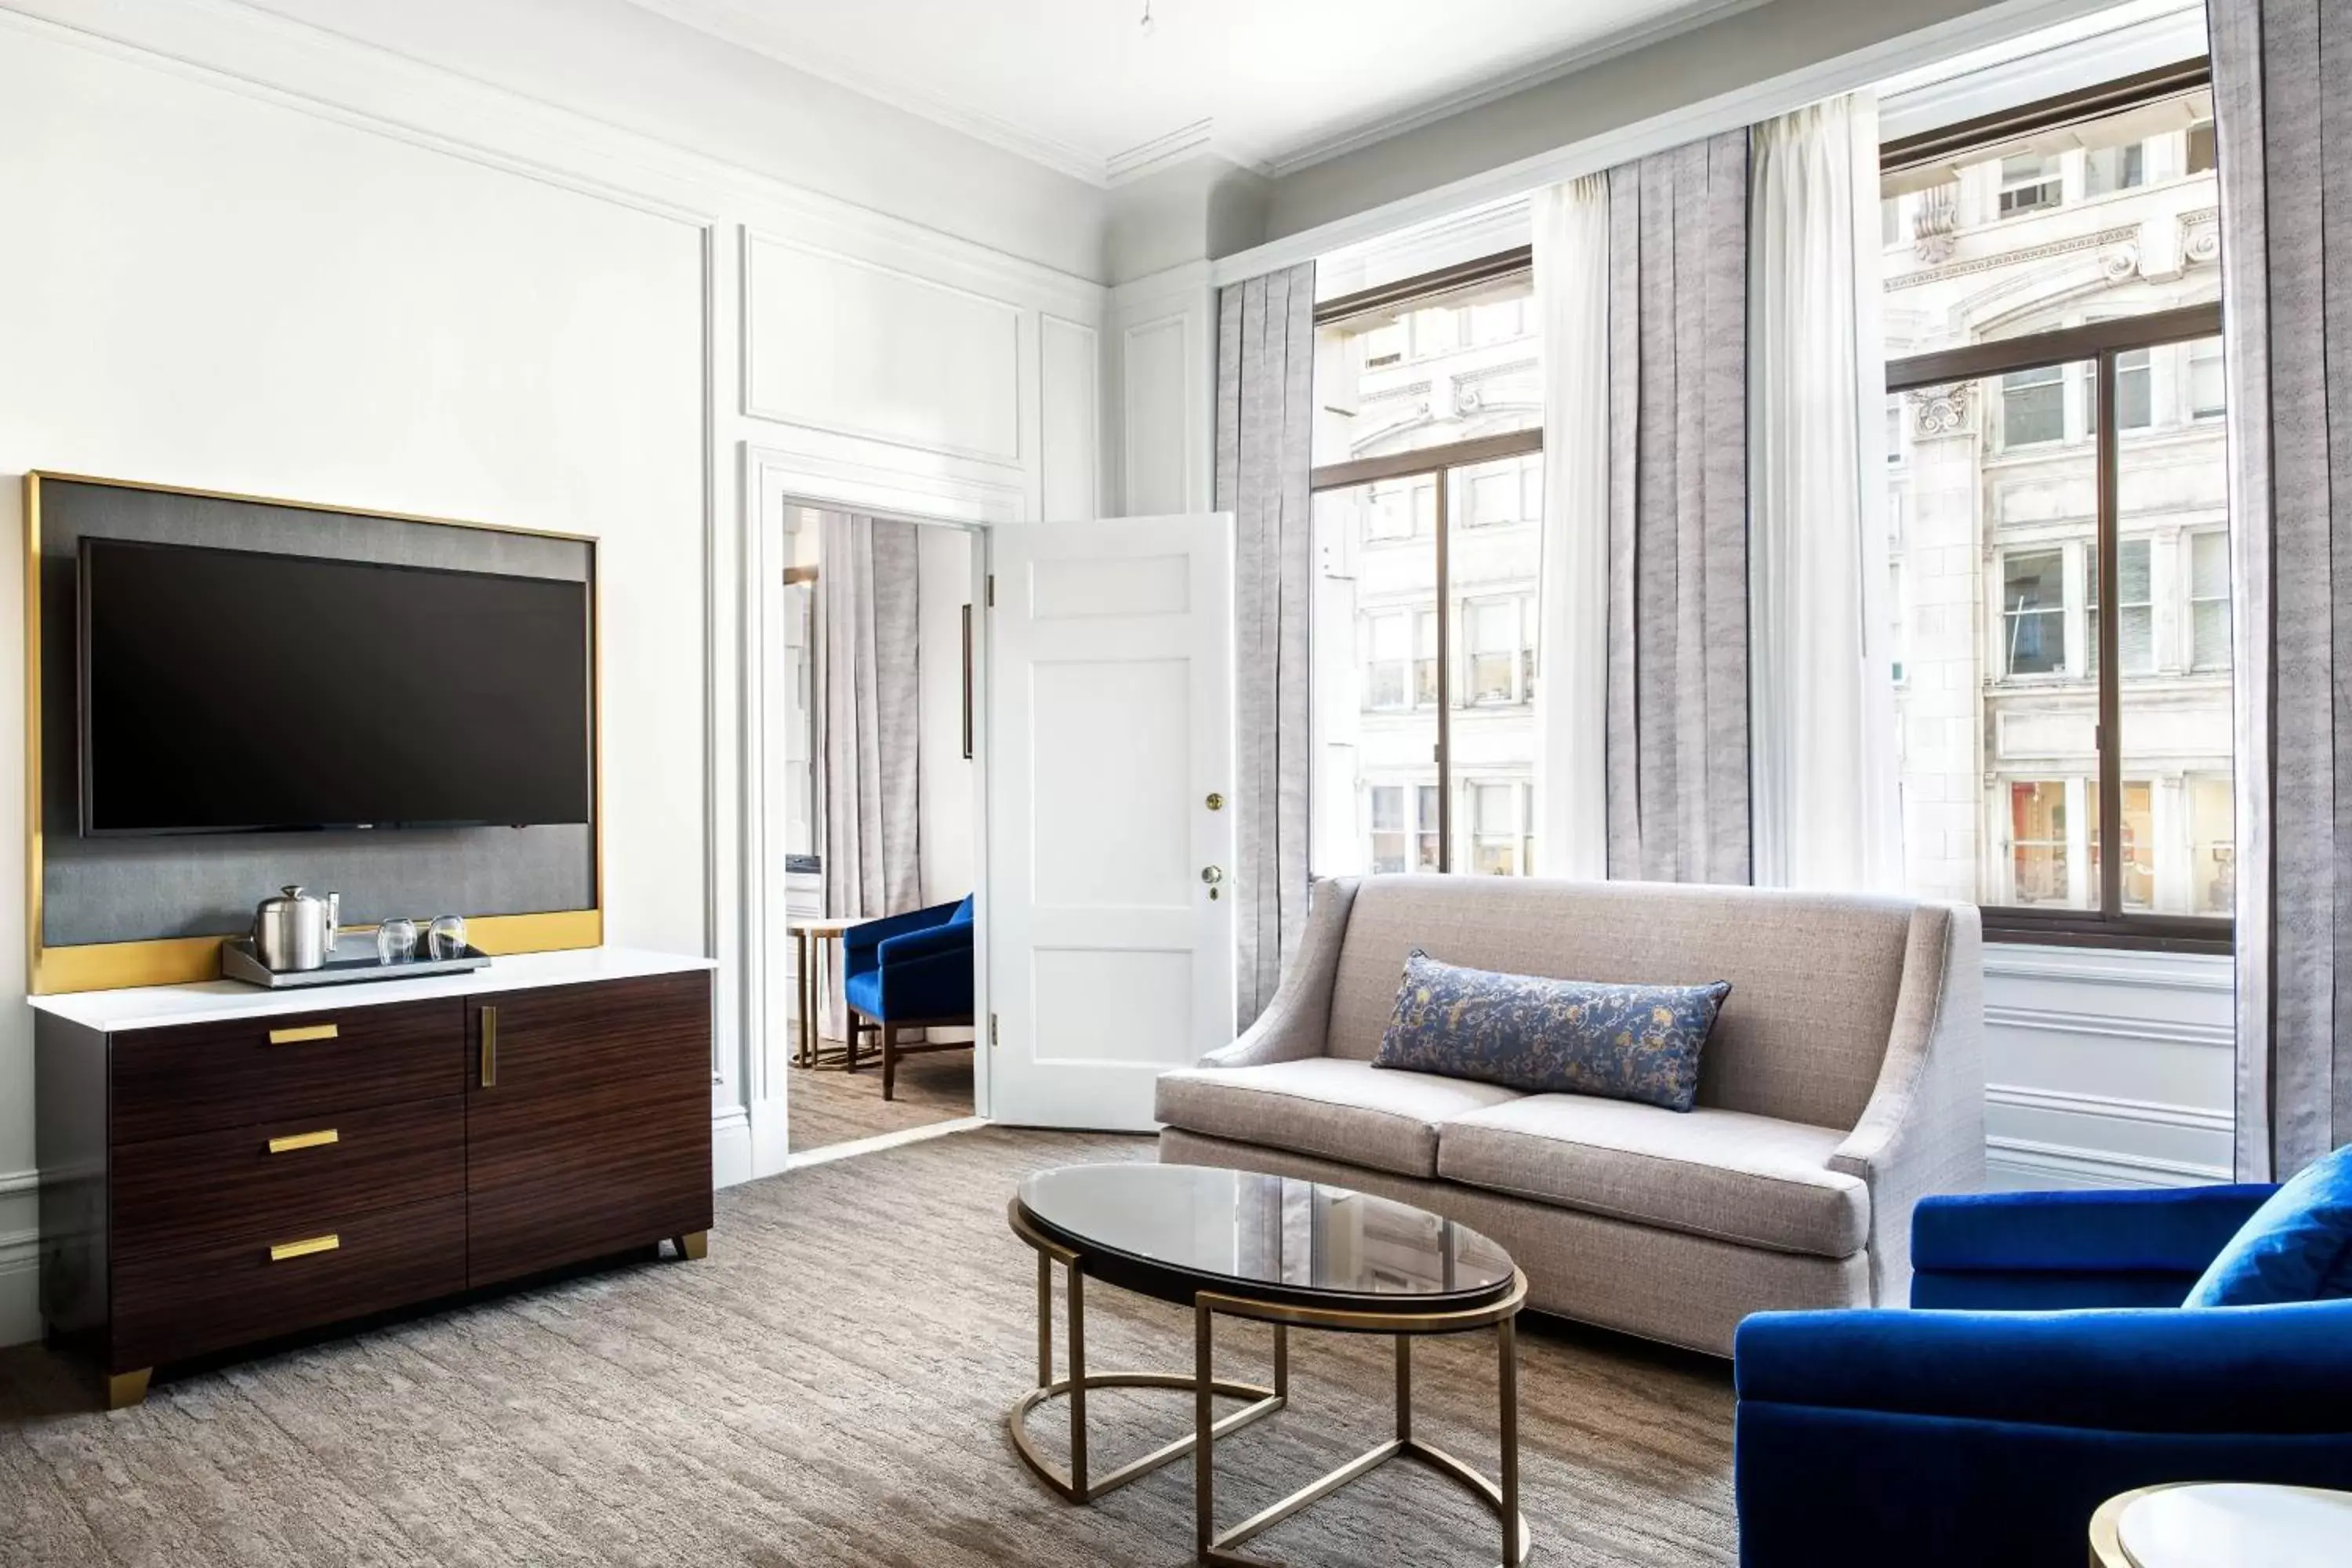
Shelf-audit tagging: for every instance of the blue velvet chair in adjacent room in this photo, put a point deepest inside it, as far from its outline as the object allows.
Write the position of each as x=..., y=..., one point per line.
x=2047, y=1364
x=909, y=972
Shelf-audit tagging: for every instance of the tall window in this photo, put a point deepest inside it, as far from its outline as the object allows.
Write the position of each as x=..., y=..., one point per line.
x=1428, y=500
x=2063, y=553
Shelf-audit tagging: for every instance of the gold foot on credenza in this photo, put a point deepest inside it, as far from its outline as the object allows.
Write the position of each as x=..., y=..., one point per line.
x=125, y=1389
x=694, y=1244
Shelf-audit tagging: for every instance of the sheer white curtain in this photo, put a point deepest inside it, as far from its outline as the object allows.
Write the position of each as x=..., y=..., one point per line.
x=1571, y=268
x=1826, y=812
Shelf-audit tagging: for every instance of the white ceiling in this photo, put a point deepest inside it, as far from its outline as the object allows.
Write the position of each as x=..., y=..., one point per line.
x=1272, y=84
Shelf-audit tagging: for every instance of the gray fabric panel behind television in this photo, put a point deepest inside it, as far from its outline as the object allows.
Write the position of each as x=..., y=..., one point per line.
x=136, y=889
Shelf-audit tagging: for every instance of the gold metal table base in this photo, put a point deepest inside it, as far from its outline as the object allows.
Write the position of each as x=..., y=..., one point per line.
x=1212, y=1546
x=1077, y=1484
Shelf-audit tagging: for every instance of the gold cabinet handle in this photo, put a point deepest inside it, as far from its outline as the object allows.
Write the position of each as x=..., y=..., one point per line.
x=293, y=1141
x=489, y=1047
x=296, y=1034
x=285, y=1249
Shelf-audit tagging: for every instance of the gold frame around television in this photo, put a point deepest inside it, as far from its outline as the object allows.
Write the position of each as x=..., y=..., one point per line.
x=171, y=960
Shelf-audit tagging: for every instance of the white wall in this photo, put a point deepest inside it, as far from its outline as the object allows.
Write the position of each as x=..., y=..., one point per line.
x=2106, y=1068
x=943, y=586
x=622, y=62
x=257, y=257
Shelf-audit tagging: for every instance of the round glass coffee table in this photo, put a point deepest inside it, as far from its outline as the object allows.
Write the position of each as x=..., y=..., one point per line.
x=1291, y=1253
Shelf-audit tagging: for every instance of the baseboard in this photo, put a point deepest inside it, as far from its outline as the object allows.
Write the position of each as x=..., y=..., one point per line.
x=731, y=1146
x=20, y=1286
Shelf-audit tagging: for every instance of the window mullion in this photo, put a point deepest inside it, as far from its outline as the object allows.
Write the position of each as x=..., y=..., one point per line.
x=2109, y=633
x=1444, y=676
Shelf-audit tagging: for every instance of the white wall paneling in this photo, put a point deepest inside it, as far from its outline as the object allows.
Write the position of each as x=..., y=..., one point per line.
x=833, y=343
x=1164, y=336
x=273, y=260
x=2106, y=1068
x=1070, y=427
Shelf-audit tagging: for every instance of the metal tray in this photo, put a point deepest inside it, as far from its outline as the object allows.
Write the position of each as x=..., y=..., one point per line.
x=353, y=960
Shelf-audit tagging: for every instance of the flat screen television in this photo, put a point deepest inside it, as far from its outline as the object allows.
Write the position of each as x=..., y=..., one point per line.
x=229, y=690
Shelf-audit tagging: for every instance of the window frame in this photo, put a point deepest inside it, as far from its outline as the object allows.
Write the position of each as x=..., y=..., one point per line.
x=1438, y=464
x=2105, y=342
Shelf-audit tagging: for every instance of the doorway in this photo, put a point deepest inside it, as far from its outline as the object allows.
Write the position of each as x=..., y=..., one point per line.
x=875, y=823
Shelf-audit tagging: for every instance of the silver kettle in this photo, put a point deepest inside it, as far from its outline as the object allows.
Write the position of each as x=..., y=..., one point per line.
x=296, y=930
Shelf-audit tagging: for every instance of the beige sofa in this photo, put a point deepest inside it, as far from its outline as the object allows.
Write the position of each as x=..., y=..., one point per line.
x=1842, y=1081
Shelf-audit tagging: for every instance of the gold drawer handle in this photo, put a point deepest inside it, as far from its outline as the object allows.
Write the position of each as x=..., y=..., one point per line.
x=302, y=1032
x=285, y=1249
x=293, y=1141
x=489, y=1047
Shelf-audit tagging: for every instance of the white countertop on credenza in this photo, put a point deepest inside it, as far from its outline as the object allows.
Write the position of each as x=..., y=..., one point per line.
x=215, y=1001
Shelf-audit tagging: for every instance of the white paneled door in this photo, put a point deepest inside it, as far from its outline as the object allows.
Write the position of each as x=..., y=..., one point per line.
x=1110, y=811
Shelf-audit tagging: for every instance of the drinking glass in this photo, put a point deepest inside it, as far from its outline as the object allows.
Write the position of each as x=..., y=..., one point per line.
x=395, y=940
x=447, y=936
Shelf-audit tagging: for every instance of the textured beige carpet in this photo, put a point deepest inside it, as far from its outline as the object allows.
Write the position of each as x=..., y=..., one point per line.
x=827, y=1387
x=825, y=1106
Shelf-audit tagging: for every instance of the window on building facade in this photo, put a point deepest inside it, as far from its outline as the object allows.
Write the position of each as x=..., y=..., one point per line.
x=2111, y=169
x=2134, y=400
x=2034, y=406
x=2209, y=600
x=1500, y=832
x=2033, y=612
x=2030, y=182
x=1428, y=500
x=2205, y=394
x=2056, y=368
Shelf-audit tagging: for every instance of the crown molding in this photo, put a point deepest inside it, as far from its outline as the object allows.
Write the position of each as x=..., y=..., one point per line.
x=1850, y=72
x=1145, y=157
x=1549, y=68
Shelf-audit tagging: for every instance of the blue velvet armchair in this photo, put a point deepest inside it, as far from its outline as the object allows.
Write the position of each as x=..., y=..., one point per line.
x=2052, y=1367
x=909, y=972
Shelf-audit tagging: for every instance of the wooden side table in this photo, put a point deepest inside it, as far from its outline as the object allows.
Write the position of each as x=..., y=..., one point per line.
x=809, y=937
x=2222, y=1524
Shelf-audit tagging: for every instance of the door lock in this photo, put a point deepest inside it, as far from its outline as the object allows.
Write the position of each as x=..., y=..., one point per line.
x=1216, y=802
x=1213, y=875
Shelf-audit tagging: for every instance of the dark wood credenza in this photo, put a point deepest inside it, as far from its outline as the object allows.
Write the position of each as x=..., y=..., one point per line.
x=223, y=1166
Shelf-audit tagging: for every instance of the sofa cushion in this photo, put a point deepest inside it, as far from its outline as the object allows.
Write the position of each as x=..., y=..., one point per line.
x=1566, y=1037
x=1321, y=1105
x=2296, y=1247
x=1723, y=1174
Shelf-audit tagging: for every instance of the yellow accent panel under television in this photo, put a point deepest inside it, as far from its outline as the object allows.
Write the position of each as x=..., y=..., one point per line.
x=179, y=961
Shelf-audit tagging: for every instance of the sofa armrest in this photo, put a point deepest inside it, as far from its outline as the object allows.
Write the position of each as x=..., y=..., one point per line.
x=2120, y=1230
x=927, y=941
x=1923, y=1130
x=2278, y=1369
x=867, y=935
x=1297, y=1023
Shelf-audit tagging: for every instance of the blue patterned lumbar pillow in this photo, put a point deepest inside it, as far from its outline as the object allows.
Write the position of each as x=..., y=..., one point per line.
x=2296, y=1247
x=1559, y=1036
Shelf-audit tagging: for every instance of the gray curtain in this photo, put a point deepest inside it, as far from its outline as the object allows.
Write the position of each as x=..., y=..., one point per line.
x=2285, y=170
x=1677, y=570
x=1265, y=414
x=868, y=736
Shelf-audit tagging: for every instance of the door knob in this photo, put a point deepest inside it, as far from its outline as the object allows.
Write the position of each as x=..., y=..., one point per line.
x=1213, y=875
